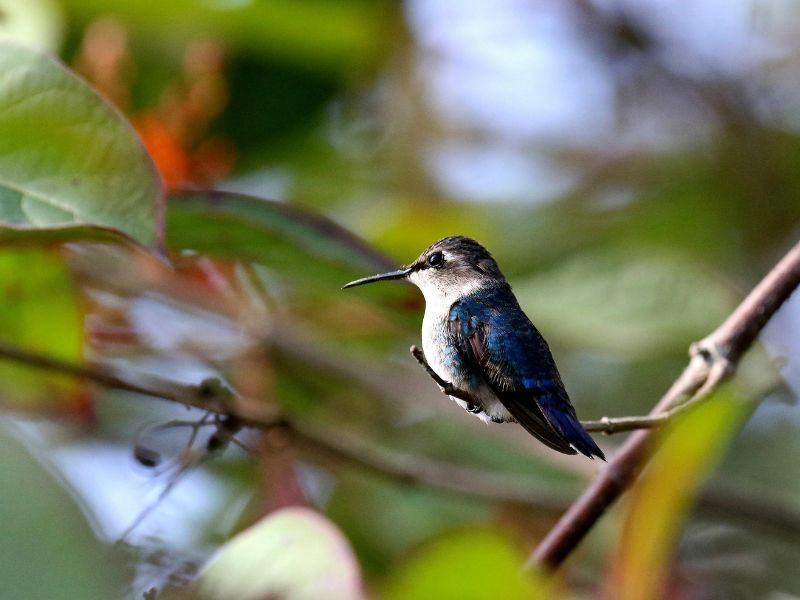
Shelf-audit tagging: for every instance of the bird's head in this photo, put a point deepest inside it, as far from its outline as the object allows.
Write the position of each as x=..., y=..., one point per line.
x=450, y=267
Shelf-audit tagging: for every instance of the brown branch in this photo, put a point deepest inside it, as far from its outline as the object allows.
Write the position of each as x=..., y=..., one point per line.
x=713, y=359
x=210, y=394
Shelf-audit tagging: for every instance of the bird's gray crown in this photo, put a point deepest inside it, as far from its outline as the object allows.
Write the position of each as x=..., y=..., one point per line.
x=457, y=258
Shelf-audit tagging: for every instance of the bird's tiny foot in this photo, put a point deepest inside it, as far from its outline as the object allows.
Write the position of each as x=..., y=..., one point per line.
x=474, y=408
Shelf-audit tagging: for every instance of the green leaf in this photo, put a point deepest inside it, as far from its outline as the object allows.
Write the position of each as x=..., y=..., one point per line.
x=266, y=231
x=466, y=565
x=293, y=554
x=302, y=252
x=48, y=550
x=660, y=501
x=67, y=159
x=38, y=311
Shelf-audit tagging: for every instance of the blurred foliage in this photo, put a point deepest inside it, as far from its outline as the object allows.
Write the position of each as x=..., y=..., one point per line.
x=37, y=319
x=658, y=505
x=43, y=556
x=650, y=307
x=631, y=166
x=314, y=34
x=437, y=570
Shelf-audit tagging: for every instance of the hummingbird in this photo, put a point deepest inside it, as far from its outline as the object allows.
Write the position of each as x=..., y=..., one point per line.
x=476, y=337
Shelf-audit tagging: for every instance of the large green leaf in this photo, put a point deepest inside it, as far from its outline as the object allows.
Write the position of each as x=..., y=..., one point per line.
x=294, y=554
x=67, y=159
x=48, y=549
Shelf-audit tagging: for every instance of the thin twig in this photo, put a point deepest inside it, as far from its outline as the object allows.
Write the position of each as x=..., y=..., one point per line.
x=210, y=394
x=607, y=425
x=713, y=360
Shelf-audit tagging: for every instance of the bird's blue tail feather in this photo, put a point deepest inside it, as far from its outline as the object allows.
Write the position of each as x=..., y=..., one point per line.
x=563, y=420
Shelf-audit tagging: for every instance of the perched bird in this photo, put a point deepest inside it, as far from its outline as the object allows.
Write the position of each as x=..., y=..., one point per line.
x=476, y=337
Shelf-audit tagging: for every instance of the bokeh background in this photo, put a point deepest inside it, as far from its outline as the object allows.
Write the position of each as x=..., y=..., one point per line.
x=634, y=168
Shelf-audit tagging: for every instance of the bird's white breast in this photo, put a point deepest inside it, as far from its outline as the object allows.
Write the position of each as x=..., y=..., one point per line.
x=435, y=333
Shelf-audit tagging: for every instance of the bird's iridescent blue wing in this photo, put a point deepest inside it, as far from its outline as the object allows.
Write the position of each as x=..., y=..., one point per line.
x=492, y=333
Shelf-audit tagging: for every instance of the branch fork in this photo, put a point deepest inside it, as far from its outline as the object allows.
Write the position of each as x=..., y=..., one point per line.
x=713, y=359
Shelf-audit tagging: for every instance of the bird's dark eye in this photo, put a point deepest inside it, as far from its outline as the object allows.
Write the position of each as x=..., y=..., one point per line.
x=435, y=259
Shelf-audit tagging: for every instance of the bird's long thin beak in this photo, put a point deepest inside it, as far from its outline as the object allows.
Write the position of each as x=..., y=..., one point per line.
x=399, y=274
